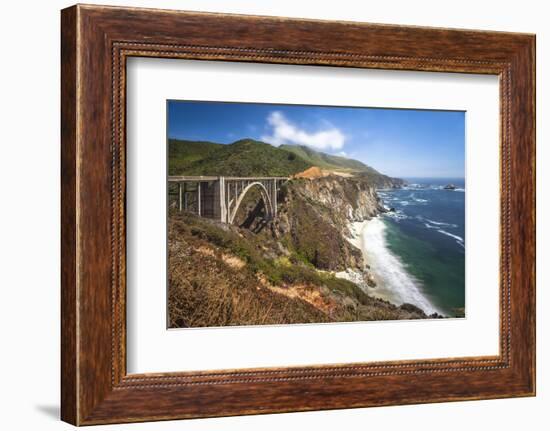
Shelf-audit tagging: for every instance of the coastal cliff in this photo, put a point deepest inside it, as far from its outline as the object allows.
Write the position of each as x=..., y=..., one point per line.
x=283, y=270
x=315, y=214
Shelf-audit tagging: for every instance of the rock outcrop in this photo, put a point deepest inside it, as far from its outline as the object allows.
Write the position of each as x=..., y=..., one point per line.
x=314, y=216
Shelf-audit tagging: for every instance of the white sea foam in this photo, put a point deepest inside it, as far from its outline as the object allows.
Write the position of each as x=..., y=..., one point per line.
x=397, y=215
x=394, y=283
x=411, y=198
x=414, y=187
x=440, y=223
x=458, y=239
x=438, y=226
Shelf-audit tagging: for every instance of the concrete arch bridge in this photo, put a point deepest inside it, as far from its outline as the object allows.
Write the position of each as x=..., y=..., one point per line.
x=220, y=197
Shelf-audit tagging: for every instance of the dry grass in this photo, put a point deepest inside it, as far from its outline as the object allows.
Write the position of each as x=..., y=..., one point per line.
x=218, y=276
x=316, y=172
x=213, y=288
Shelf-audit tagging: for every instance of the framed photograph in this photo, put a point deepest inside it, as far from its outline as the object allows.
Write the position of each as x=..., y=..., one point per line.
x=264, y=215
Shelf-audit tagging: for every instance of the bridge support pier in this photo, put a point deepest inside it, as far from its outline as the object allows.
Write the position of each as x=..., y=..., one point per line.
x=220, y=208
x=180, y=198
x=185, y=201
x=274, y=197
x=199, y=186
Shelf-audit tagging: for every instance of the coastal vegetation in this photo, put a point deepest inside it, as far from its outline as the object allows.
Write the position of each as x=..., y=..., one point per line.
x=222, y=275
x=327, y=161
x=244, y=158
x=282, y=270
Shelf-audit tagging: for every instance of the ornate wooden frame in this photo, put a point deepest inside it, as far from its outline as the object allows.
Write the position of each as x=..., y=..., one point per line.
x=95, y=42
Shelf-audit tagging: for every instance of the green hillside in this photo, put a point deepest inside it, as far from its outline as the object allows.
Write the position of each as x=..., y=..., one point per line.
x=182, y=154
x=241, y=158
x=327, y=161
x=248, y=157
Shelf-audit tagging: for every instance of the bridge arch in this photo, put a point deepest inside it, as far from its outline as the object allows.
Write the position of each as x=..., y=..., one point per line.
x=265, y=196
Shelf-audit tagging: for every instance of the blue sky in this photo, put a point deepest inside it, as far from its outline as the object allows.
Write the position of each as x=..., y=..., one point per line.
x=396, y=142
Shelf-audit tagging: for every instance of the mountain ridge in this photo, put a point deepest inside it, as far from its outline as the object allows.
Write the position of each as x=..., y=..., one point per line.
x=249, y=157
x=327, y=161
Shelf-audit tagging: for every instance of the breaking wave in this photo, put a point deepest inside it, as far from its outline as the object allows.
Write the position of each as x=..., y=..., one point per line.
x=396, y=215
x=459, y=239
x=440, y=223
x=395, y=283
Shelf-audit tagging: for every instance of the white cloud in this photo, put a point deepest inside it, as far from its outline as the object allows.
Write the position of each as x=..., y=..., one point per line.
x=285, y=132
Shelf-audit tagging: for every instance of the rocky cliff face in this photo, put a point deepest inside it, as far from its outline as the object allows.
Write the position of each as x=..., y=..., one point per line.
x=385, y=182
x=314, y=215
x=380, y=181
x=346, y=198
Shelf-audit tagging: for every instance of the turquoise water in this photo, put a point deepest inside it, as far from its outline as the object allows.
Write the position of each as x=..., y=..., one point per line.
x=427, y=232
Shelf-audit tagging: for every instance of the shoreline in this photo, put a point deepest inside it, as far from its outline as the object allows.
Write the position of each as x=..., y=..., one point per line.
x=393, y=282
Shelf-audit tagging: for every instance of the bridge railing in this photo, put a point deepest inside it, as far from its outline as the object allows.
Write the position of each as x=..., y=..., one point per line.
x=190, y=178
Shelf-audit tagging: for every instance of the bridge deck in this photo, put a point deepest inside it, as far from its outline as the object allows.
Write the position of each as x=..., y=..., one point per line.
x=200, y=178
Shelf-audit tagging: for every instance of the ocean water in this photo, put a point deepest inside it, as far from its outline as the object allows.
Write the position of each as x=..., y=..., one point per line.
x=418, y=250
